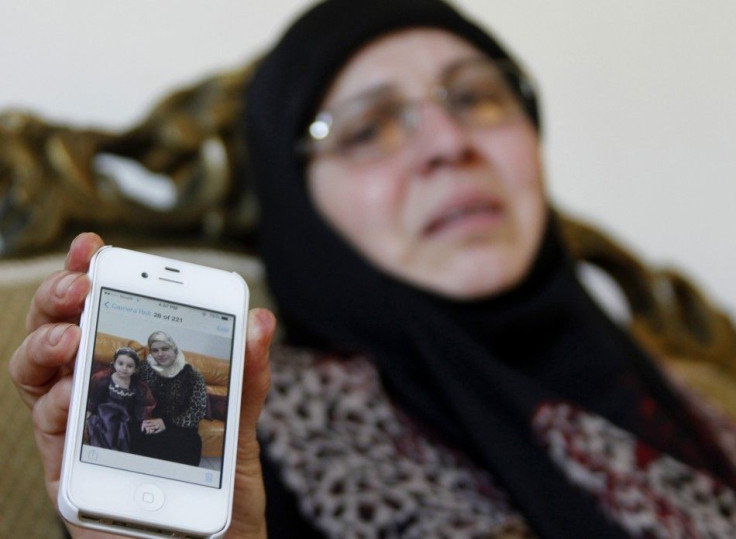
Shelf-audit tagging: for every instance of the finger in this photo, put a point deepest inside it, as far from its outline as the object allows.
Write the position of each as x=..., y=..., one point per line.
x=81, y=250
x=60, y=297
x=45, y=356
x=249, y=500
x=257, y=376
x=50, y=421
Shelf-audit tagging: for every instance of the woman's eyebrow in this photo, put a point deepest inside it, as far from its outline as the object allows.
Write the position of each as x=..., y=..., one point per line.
x=372, y=92
x=392, y=88
x=459, y=62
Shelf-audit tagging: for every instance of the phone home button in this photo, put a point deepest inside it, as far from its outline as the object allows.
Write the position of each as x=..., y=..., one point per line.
x=149, y=497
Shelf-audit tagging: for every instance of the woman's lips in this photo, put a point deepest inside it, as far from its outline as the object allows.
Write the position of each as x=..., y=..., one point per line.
x=465, y=217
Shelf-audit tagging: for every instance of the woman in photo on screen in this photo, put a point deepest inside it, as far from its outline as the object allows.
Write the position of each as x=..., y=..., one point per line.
x=171, y=433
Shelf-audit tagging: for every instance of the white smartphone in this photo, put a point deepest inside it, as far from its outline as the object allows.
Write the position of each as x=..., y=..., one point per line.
x=153, y=421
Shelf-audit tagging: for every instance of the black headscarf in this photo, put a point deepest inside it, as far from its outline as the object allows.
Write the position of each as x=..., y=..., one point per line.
x=473, y=371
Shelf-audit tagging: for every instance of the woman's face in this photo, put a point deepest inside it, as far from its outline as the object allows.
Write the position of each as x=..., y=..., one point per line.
x=457, y=211
x=163, y=353
x=124, y=366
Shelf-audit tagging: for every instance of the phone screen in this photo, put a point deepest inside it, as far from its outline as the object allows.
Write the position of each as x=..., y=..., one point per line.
x=158, y=384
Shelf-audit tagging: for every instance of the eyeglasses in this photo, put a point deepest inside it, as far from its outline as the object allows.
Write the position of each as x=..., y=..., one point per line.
x=476, y=93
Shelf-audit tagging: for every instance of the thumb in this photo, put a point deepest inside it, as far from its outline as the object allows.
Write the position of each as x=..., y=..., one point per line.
x=249, y=501
x=257, y=376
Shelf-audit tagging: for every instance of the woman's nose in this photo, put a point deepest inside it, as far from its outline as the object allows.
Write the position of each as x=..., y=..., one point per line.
x=441, y=139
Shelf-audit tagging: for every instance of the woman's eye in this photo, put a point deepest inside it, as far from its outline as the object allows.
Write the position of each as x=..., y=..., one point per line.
x=371, y=127
x=363, y=133
x=479, y=96
x=481, y=104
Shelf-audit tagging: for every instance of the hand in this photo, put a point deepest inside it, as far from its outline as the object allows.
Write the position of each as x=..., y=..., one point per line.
x=153, y=426
x=42, y=365
x=41, y=369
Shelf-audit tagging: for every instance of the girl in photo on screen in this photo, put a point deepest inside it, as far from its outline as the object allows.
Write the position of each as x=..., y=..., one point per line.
x=119, y=401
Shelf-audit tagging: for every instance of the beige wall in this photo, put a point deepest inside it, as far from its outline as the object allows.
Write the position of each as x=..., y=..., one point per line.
x=639, y=97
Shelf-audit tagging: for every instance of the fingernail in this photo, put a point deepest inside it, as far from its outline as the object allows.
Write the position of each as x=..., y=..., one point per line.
x=63, y=285
x=57, y=333
x=259, y=320
x=264, y=319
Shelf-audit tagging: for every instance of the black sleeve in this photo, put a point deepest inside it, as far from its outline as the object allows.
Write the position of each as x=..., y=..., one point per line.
x=283, y=518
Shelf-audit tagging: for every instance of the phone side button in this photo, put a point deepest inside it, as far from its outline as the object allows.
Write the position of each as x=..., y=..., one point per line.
x=149, y=497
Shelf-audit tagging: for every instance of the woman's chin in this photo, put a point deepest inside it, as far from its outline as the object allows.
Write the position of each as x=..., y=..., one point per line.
x=473, y=290
x=473, y=276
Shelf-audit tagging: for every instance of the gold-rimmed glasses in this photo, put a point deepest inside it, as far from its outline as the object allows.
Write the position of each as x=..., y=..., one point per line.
x=475, y=93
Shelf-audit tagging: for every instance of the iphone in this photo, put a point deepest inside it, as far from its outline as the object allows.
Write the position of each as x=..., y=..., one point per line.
x=153, y=421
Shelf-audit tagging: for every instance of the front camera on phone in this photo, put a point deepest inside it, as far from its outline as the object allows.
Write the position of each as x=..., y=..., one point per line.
x=144, y=275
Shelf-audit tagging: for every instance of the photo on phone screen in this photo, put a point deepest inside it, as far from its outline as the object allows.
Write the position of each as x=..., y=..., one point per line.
x=158, y=383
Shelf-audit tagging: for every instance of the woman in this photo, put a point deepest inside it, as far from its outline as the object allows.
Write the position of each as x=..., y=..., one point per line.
x=181, y=402
x=119, y=403
x=414, y=232
x=469, y=387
